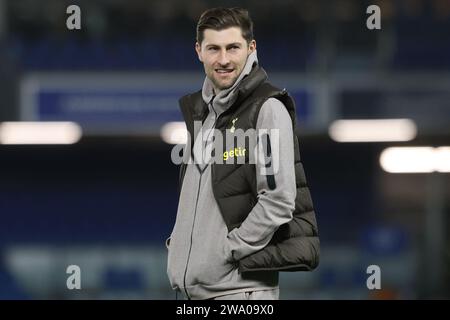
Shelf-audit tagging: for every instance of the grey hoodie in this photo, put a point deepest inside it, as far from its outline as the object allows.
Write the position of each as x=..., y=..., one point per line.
x=202, y=253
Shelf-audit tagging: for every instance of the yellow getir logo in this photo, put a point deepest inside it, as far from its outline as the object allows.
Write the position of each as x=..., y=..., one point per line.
x=236, y=152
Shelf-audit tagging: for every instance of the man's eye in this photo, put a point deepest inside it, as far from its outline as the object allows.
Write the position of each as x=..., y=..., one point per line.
x=212, y=49
x=234, y=47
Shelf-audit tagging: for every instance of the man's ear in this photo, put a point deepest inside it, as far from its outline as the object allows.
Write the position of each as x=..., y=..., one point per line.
x=198, y=49
x=251, y=46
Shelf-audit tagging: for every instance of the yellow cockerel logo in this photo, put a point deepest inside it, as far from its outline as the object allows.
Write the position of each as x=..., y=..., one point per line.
x=232, y=126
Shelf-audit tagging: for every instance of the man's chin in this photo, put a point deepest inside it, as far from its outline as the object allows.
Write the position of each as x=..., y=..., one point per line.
x=224, y=85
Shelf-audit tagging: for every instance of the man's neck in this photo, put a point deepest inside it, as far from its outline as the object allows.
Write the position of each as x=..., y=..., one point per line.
x=216, y=91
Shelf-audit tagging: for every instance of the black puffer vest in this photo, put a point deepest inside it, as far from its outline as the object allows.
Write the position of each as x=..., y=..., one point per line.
x=295, y=245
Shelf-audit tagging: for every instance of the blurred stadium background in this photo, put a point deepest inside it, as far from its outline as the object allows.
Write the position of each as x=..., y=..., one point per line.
x=108, y=201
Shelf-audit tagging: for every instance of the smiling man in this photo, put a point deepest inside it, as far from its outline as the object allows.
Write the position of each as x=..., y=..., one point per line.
x=224, y=54
x=238, y=224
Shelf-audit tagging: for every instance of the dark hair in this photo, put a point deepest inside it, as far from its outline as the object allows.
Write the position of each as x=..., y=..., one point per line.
x=223, y=18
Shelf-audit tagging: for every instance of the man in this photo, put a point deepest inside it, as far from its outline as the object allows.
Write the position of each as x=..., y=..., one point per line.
x=238, y=224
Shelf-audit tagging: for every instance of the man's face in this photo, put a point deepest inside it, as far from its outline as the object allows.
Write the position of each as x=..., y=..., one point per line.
x=224, y=54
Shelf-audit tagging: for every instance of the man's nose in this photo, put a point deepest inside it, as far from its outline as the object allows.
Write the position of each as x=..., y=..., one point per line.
x=223, y=58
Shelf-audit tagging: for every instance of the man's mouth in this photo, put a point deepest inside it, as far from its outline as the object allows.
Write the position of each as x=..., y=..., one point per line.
x=224, y=71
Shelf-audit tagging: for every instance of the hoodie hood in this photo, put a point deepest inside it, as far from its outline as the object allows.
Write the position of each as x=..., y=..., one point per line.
x=225, y=98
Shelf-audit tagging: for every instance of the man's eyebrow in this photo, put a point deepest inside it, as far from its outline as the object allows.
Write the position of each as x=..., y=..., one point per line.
x=212, y=45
